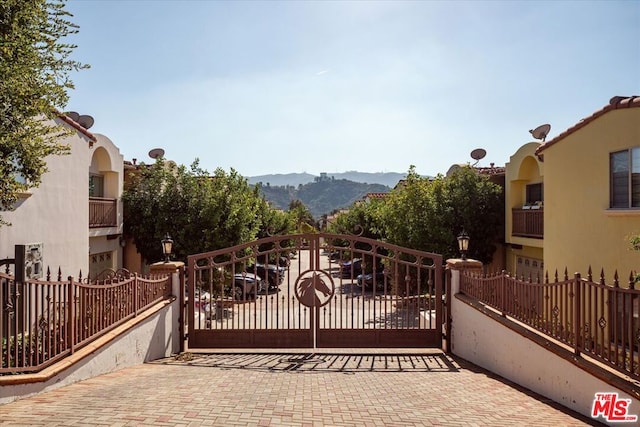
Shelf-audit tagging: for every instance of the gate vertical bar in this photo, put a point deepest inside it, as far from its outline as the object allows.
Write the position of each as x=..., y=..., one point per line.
x=70, y=329
x=314, y=264
x=438, y=285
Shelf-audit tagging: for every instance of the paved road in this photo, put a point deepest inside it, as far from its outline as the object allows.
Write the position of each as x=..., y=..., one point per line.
x=278, y=389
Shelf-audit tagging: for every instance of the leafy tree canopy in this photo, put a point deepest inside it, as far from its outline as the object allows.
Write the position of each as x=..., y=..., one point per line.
x=34, y=80
x=428, y=214
x=201, y=212
x=301, y=216
x=362, y=218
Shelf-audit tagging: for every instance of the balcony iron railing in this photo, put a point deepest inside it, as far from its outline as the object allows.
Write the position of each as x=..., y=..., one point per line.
x=528, y=223
x=103, y=212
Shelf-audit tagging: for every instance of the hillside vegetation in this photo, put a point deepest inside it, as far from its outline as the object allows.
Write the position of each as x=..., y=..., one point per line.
x=389, y=179
x=322, y=196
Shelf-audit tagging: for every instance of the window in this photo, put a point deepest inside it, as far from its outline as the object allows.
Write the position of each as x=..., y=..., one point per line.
x=625, y=178
x=99, y=263
x=534, y=193
x=96, y=186
x=19, y=177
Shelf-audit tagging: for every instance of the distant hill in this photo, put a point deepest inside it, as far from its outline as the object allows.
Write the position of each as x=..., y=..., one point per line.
x=279, y=179
x=322, y=196
x=390, y=179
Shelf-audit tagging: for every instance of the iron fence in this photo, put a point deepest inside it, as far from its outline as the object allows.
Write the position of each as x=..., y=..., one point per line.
x=592, y=317
x=528, y=222
x=43, y=321
x=103, y=212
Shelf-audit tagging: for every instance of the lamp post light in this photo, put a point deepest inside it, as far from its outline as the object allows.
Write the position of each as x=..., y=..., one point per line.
x=167, y=246
x=463, y=244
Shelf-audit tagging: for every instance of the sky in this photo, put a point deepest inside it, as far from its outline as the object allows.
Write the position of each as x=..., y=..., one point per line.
x=332, y=86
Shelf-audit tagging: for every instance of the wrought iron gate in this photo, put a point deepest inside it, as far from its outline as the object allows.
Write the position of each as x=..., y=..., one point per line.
x=315, y=290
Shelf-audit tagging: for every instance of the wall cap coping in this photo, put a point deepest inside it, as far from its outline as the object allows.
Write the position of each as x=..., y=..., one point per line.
x=166, y=266
x=591, y=366
x=70, y=360
x=463, y=264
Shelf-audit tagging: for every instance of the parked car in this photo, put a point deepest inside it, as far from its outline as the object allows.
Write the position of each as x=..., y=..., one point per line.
x=284, y=261
x=272, y=274
x=246, y=285
x=366, y=280
x=351, y=269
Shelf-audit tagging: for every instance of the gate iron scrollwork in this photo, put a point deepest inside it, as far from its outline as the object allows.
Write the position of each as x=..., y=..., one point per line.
x=315, y=290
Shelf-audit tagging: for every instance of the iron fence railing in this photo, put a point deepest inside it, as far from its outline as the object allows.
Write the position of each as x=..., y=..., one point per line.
x=103, y=212
x=596, y=319
x=42, y=322
x=528, y=222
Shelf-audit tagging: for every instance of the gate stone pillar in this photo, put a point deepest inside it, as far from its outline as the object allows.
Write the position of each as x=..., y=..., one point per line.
x=176, y=270
x=454, y=267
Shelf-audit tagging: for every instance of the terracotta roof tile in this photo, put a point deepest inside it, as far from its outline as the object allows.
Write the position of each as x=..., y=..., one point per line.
x=77, y=126
x=492, y=170
x=616, y=103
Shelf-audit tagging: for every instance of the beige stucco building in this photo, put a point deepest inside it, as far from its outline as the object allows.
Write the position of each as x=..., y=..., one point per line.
x=524, y=213
x=592, y=191
x=76, y=212
x=574, y=201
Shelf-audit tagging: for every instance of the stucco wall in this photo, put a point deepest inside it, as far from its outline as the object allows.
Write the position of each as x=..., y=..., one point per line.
x=580, y=229
x=485, y=342
x=57, y=212
x=154, y=338
x=522, y=169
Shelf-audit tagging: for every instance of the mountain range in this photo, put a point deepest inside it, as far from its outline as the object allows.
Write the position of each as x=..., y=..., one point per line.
x=389, y=179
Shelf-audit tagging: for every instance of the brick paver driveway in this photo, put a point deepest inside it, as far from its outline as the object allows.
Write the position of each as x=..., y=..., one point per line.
x=312, y=389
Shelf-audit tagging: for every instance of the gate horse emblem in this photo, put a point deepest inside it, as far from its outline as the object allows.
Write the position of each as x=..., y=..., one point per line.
x=312, y=291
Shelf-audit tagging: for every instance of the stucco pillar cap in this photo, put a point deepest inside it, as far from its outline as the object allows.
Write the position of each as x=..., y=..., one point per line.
x=463, y=264
x=166, y=266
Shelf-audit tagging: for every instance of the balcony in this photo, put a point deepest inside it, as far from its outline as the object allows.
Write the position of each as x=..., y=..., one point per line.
x=528, y=223
x=103, y=212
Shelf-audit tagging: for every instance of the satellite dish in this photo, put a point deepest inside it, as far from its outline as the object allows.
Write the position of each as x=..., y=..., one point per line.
x=73, y=116
x=156, y=152
x=541, y=132
x=85, y=121
x=478, y=154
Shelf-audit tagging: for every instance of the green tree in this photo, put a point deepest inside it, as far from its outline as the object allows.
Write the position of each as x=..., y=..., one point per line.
x=361, y=219
x=201, y=212
x=34, y=79
x=301, y=216
x=428, y=214
x=634, y=241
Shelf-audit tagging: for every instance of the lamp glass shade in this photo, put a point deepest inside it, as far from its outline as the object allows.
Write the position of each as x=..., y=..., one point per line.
x=463, y=242
x=167, y=245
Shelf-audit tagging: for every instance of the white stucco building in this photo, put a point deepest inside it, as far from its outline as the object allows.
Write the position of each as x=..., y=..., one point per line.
x=76, y=212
